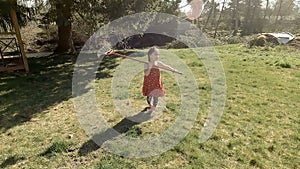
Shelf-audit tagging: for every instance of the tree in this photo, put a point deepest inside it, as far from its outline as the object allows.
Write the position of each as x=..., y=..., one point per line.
x=24, y=14
x=64, y=25
x=236, y=17
x=94, y=12
x=252, y=22
x=219, y=19
x=279, y=3
x=283, y=8
x=266, y=9
x=212, y=8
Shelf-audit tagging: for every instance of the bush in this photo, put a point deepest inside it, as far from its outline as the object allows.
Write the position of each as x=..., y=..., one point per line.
x=134, y=132
x=38, y=38
x=57, y=147
x=258, y=41
x=175, y=45
x=283, y=64
x=263, y=40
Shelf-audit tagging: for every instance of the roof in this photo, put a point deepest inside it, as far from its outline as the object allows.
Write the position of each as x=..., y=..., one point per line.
x=282, y=38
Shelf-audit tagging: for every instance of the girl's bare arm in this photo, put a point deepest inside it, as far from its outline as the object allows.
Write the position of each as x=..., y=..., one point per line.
x=161, y=64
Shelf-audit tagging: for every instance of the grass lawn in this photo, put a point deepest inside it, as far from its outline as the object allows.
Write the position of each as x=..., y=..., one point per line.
x=259, y=128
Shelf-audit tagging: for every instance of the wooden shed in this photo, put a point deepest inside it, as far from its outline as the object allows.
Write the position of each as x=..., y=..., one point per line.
x=13, y=56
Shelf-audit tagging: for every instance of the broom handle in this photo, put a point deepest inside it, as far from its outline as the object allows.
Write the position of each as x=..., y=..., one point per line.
x=124, y=56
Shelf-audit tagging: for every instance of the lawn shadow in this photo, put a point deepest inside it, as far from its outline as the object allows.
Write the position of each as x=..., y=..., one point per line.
x=49, y=83
x=11, y=161
x=120, y=128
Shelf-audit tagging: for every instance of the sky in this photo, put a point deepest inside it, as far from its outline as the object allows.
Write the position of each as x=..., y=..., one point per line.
x=183, y=3
x=187, y=8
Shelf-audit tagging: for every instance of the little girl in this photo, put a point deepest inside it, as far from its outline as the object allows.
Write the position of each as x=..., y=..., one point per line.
x=153, y=86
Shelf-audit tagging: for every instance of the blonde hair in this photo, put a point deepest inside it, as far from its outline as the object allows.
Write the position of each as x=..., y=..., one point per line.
x=151, y=50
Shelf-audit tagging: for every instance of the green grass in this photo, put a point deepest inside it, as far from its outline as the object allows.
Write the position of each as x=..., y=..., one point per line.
x=259, y=128
x=56, y=148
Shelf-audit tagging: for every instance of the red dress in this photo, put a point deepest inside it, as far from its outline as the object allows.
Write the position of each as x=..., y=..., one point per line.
x=153, y=85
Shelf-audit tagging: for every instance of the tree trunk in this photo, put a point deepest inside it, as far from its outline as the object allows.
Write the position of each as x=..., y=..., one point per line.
x=236, y=18
x=209, y=15
x=65, y=42
x=278, y=13
x=266, y=10
x=254, y=20
x=246, y=24
x=215, y=15
x=219, y=20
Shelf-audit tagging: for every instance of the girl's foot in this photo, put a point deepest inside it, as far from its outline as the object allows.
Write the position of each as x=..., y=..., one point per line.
x=152, y=108
x=149, y=106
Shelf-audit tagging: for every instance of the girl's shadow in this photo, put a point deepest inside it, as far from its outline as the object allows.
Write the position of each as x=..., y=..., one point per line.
x=122, y=127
